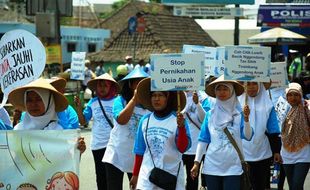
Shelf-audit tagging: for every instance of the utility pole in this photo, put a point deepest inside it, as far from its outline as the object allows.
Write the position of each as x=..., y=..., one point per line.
x=236, y=31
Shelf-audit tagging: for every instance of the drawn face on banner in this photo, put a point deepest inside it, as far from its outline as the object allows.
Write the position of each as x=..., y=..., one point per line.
x=22, y=60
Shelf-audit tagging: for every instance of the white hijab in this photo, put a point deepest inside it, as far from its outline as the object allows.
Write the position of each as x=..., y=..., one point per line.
x=224, y=111
x=48, y=120
x=260, y=108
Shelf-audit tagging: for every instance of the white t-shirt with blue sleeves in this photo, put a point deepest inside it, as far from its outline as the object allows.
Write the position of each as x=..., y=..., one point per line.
x=259, y=147
x=119, y=148
x=221, y=157
x=161, y=137
x=101, y=128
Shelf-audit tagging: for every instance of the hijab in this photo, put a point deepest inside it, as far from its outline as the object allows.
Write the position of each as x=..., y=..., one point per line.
x=260, y=108
x=112, y=90
x=224, y=111
x=168, y=109
x=296, y=130
x=45, y=120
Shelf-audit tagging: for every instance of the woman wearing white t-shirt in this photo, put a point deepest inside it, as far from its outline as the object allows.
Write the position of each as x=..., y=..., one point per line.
x=295, y=136
x=263, y=119
x=194, y=113
x=127, y=112
x=162, y=137
x=222, y=166
x=100, y=109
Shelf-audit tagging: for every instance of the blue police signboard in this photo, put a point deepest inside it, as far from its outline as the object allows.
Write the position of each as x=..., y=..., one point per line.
x=284, y=15
x=249, y=2
x=132, y=25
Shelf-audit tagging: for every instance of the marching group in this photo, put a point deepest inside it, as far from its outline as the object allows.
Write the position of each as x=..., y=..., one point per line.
x=152, y=135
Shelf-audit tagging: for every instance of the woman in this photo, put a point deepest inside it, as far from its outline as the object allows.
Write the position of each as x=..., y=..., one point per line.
x=162, y=137
x=222, y=173
x=295, y=136
x=263, y=120
x=126, y=113
x=40, y=100
x=100, y=109
x=68, y=118
x=194, y=113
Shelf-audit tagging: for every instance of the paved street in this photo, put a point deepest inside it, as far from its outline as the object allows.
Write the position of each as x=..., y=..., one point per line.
x=87, y=169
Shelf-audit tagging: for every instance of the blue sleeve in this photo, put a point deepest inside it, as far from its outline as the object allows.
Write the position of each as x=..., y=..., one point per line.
x=73, y=118
x=4, y=127
x=118, y=106
x=87, y=112
x=139, y=145
x=22, y=116
x=204, y=134
x=273, y=123
x=206, y=105
x=188, y=134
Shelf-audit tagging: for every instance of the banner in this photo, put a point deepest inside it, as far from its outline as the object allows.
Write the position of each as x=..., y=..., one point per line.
x=53, y=54
x=78, y=66
x=278, y=75
x=220, y=61
x=247, y=63
x=22, y=60
x=39, y=159
x=173, y=72
x=206, y=11
x=210, y=55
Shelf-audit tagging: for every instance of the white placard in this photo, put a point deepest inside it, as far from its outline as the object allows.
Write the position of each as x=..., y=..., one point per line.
x=247, y=63
x=78, y=66
x=220, y=61
x=23, y=60
x=173, y=72
x=210, y=56
x=278, y=75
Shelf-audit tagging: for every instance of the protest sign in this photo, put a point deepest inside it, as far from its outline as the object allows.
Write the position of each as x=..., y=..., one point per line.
x=247, y=63
x=173, y=72
x=37, y=158
x=78, y=65
x=22, y=60
x=210, y=56
x=220, y=61
x=278, y=75
x=282, y=107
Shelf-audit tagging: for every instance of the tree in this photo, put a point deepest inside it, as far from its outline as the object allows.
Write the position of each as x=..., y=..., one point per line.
x=155, y=1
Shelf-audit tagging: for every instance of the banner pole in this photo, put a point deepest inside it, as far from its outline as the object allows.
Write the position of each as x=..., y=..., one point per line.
x=246, y=93
x=179, y=104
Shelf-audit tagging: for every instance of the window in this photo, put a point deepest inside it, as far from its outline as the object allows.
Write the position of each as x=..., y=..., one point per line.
x=91, y=47
x=71, y=47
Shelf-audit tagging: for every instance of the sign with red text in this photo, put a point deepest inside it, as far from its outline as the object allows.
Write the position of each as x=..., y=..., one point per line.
x=210, y=56
x=22, y=59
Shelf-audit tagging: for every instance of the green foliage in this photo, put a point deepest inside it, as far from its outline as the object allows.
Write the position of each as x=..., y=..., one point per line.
x=155, y=1
x=67, y=21
x=119, y=4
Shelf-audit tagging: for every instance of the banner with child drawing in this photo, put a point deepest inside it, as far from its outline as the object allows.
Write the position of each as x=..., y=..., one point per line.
x=33, y=160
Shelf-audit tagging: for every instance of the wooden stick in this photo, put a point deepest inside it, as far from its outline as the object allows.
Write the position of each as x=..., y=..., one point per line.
x=246, y=93
x=179, y=101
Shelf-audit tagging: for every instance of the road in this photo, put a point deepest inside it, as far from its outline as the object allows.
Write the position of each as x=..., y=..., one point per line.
x=87, y=169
